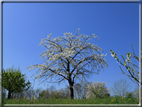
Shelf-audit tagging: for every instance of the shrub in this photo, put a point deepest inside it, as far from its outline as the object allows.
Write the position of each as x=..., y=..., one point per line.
x=44, y=94
x=129, y=95
x=106, y=95
x=117, y=97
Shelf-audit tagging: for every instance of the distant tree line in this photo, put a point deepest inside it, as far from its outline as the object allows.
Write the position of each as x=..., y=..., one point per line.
x=82, y=90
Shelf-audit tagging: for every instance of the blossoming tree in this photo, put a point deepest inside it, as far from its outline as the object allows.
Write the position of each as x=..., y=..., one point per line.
x=97, y=90
x=67, y=56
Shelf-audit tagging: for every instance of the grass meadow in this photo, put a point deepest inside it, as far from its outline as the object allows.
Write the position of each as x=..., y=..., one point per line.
x=108, y=100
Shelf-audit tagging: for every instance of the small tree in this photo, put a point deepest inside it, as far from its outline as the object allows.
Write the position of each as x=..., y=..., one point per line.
x=14, y=81
x=97, y=90
x=67, y=57
x=120, y=87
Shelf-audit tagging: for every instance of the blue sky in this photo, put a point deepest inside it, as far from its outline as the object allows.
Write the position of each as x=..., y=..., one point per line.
x=25, y=24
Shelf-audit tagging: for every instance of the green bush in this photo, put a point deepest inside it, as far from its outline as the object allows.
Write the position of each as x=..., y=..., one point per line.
x=129, y=95
x=117, y=97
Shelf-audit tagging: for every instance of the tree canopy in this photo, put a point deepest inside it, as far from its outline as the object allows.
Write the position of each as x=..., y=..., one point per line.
x=70, y=57
x=14, y=81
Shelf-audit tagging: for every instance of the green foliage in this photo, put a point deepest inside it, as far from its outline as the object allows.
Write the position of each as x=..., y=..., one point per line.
x=117, y=97
x=106, y=95
x=44, y=94
x=14, y=81
x=129, y=95
x=55, y=95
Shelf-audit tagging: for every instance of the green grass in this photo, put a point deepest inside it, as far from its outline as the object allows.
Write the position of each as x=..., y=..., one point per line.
x=74, y=101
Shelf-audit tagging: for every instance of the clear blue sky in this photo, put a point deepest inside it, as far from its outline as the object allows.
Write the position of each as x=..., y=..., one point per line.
x=25, y=24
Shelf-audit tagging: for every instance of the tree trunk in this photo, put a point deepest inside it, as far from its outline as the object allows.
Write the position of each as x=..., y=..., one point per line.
x=9, y=94
x=71, y=90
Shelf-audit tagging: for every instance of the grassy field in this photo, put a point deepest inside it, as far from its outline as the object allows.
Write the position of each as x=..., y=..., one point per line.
x=109, y=100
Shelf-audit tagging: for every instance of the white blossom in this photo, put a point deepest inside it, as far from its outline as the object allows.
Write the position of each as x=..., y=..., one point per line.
x=61, y=51
x=98, y=88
